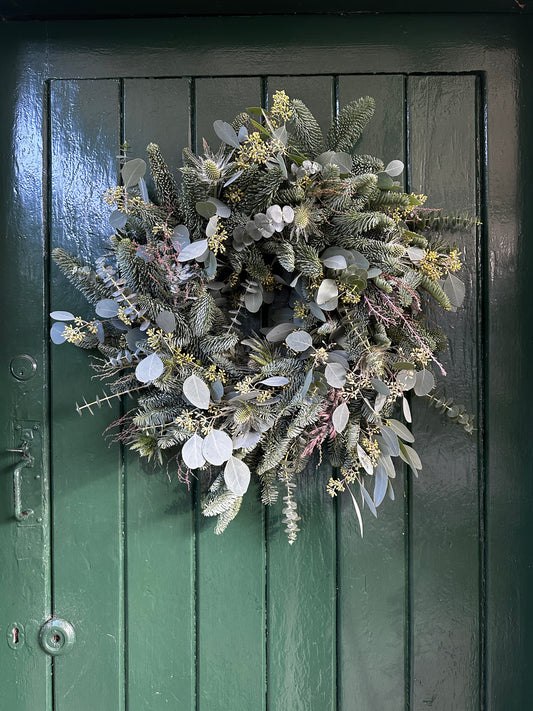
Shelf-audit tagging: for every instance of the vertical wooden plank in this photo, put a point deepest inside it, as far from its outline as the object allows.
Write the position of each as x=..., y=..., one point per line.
x=231, y=567
x=25, y=603
x=445, y=501
x=159, y=509
x=86, y=472
x=222, y=98
x=302, y=577
x=372, y=570
x=157, y=111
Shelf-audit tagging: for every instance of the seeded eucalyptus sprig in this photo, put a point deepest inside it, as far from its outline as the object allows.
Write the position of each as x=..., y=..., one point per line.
x=269, y=309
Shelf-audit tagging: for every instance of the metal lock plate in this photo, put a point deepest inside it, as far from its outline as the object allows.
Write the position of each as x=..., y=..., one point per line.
x=57, y=637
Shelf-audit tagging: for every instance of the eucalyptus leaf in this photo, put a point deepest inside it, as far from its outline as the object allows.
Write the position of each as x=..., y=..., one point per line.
x=56, y=333
x=117, y=219
x=335, y=375
x=100, y=334
x=401, y=430
x=253, y=300
x=316, y=311
x=379, y=386
x=406, y=410
x=246, y=440
x=280, y=332
x=425, y=382
x=275, y=381
x=206, y=209
x=406, y=379
x=299, y=341
x=385, y=182
x=306, y=383
x=216, y=389
x=335, y=251
x=149, y=368
x=143, y=190
x=210, y=266
x=327, y=290
x=373, y=272
x=391, y=439
x=180, y=237
x=196, y=392
x=360, y=261
x=357, y=511
x=415, y=254
x=119, y=325
x=194, y=250
x=132, y=171
x=217, y=447
x=133, y=337
x=226, y=133
x=454, y=290
x=237, y=476
x=380, y=483
x=336, y=358
x=191, y=452
x=335, y=262
x=387, y=463
x=211, y=227
x=339, y=158
x=166, y=321
x=222, y=209
x=365, y=460
x=280, y=163
x=340, y=417
x=62, y=316
x=410, y=456
x=403, y=366
x=106, y=308
x=368, y=500
x=330, y=304
x=394, y=168
x=380, y=402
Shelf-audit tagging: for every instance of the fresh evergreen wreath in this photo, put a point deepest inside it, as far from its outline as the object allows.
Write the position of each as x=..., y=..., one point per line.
x=269, y=307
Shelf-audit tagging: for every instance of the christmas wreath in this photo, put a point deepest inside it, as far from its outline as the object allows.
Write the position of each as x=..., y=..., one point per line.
x=269, y=307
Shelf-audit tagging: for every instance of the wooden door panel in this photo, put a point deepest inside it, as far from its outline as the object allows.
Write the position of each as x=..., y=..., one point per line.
x=373, y=571
x=230, y=580
x=244, y=620
x=301, y=637
x=159, y=525
x=445, y=517
x=86, y=474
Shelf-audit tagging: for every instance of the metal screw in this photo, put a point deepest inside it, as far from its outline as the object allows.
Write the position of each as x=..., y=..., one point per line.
x=18, y=427
x=35, y=427
x=39, y=520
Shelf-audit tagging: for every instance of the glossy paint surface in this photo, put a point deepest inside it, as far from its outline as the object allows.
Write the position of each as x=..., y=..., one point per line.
x=62, y=9
x=431, y=609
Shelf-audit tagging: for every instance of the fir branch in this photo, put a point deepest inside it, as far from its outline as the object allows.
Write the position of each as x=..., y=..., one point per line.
x=165, y=184
x=349, y=125
x=82, y=276
x=306, y=134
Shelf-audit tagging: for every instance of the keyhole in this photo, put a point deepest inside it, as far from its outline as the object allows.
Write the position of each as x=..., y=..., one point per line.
x=56, y=639
x=15, y=635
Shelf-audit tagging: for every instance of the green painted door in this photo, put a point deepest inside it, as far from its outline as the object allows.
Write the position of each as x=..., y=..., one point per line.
x=428, y=611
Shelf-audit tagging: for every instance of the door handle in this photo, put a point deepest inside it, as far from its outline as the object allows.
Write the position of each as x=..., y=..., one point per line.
x=20, y=513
